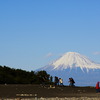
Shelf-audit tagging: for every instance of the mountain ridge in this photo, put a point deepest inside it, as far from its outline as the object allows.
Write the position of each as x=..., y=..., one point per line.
x=72, y=60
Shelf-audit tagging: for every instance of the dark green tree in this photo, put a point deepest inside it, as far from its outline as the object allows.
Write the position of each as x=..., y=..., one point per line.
x=18, y=76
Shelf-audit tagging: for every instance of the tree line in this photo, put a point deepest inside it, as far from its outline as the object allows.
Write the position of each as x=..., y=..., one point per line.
x=18, y=76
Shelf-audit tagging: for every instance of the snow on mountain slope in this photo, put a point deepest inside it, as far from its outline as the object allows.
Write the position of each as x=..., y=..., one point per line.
x=72, y=60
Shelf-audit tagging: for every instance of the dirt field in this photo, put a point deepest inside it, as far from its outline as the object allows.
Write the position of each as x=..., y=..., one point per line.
x=37, y=91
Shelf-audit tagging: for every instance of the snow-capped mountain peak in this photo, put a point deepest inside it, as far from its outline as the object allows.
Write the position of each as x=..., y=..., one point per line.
x=72, y=60
x=72, y=64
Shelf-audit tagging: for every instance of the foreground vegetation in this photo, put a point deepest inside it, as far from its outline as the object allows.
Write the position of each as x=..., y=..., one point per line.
x=17, y=76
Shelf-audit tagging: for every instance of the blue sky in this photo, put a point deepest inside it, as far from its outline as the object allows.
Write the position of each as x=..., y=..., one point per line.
x=33, y=33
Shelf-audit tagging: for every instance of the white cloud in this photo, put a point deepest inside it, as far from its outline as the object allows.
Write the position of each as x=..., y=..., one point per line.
x=96, y=53
x=49, y=55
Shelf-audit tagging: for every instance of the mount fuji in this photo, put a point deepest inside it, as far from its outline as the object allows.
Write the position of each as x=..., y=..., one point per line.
x=84, y=71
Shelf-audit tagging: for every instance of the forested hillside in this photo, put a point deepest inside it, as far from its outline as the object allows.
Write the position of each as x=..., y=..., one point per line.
x=18, y=76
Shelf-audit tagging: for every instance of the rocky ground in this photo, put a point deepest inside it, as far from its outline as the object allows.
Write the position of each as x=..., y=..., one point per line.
x=38, y=92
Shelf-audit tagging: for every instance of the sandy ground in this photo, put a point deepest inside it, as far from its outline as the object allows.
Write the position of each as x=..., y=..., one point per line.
x=73, y=98
x=37, y=92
